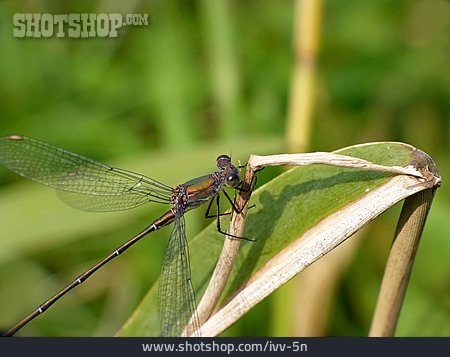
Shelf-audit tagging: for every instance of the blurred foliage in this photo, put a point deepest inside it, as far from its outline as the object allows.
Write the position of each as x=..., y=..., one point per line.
x=205, y=75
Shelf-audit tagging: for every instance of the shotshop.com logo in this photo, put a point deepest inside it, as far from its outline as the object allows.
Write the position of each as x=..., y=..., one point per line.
x=74, y=25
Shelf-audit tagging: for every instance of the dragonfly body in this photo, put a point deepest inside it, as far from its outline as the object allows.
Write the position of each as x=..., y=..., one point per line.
x=90, y=185
x=200, y=190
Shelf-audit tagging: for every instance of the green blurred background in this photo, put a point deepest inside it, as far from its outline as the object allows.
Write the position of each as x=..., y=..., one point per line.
x=205, y=78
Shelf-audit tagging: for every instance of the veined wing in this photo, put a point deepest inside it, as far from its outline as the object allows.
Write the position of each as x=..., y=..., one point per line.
x=107, y=203
x=177, y=307
x=84, y=183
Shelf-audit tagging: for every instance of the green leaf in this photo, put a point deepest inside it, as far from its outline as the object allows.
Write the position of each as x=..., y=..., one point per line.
x=286, y=208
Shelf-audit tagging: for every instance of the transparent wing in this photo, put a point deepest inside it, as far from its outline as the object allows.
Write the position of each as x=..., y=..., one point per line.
x=177, y=307
x=105, y=203
x=83, y=182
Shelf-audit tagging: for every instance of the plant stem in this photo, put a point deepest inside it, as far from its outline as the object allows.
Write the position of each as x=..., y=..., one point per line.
x=398, y=268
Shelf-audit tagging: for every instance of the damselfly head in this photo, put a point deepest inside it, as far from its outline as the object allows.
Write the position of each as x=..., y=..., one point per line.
x=229, y=171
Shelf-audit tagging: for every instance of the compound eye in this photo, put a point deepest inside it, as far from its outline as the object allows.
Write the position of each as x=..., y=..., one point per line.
x=232, y=180
x=223, y=161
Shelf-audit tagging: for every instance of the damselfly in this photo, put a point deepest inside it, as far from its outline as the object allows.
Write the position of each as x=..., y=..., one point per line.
x=90, y=185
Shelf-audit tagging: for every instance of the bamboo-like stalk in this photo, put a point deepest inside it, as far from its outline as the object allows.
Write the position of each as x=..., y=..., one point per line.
x=399, y=265
x=308, y=17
